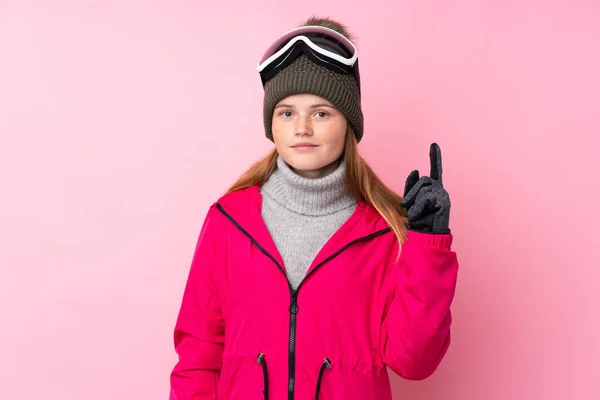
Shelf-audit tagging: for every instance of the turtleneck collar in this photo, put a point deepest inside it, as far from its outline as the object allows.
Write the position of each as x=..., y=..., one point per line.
x=308, y=196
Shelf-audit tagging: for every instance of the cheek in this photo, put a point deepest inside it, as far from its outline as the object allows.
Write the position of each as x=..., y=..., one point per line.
x=336, y=135
x=278, y=131
x=280, y=137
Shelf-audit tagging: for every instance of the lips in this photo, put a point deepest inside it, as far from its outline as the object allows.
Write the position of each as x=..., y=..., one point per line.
x=304, y=145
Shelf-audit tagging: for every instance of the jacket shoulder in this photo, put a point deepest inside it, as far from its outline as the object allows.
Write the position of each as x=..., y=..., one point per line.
x=235, y=204
x=239, y=200
x=372, y=218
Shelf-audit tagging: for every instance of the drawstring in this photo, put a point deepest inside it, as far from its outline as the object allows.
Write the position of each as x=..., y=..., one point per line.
x=326, y=364
x=261, y=360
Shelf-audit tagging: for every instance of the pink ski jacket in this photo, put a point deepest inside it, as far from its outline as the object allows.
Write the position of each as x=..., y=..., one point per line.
x=243, y=333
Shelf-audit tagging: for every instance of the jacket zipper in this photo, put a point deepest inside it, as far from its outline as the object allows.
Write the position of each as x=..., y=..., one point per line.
x=293, y=309
x=292, y=343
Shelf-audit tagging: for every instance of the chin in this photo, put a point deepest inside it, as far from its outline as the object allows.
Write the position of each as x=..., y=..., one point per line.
x=308, y=163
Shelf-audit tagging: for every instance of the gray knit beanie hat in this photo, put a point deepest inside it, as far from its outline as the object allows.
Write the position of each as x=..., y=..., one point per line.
x=304, y=76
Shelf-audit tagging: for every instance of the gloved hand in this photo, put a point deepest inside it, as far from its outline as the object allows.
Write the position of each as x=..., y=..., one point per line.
x=426, y=201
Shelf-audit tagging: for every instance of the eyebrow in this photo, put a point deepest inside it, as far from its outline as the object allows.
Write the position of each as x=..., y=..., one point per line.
x=283, y=105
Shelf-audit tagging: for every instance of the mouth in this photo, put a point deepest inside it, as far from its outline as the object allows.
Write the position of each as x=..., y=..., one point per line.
x=303, y=146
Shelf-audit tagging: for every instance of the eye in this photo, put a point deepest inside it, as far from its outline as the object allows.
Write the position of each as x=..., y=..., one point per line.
x=322, y=114
x=286, y=114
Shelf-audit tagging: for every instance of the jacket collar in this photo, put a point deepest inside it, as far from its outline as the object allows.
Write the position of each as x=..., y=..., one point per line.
x=243, y=208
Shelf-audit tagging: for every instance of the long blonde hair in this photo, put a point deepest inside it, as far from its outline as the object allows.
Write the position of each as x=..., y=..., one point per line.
x=361, y=181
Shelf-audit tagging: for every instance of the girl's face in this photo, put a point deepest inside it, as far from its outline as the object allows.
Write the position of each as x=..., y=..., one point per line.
x=309, y=134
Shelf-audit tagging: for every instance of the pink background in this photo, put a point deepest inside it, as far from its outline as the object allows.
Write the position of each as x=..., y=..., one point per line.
x=121, y=122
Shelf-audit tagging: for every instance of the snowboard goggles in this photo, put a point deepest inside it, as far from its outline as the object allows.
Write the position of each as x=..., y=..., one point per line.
x=323, y=46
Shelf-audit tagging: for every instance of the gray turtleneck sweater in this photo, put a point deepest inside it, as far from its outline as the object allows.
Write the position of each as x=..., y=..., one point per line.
x=301, y=214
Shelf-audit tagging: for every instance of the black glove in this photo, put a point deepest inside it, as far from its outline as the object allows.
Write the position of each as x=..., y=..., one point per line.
x=426, y=201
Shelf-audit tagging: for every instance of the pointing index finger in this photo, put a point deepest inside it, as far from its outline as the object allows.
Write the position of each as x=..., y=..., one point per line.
x=435, y=158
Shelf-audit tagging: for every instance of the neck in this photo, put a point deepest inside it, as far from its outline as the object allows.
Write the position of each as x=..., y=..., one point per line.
x=318, y=173
x=309, y=196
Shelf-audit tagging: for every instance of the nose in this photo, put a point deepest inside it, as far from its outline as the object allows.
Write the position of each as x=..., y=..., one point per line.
x=303, y=127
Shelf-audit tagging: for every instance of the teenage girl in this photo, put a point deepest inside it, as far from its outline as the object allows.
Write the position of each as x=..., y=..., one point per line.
x=310, y=277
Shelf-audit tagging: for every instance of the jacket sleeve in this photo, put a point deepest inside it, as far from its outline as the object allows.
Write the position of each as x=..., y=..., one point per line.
x=199, y=330
x=415, y=333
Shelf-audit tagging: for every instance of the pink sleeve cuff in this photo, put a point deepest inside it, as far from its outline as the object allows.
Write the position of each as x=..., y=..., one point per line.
x=443, y=241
